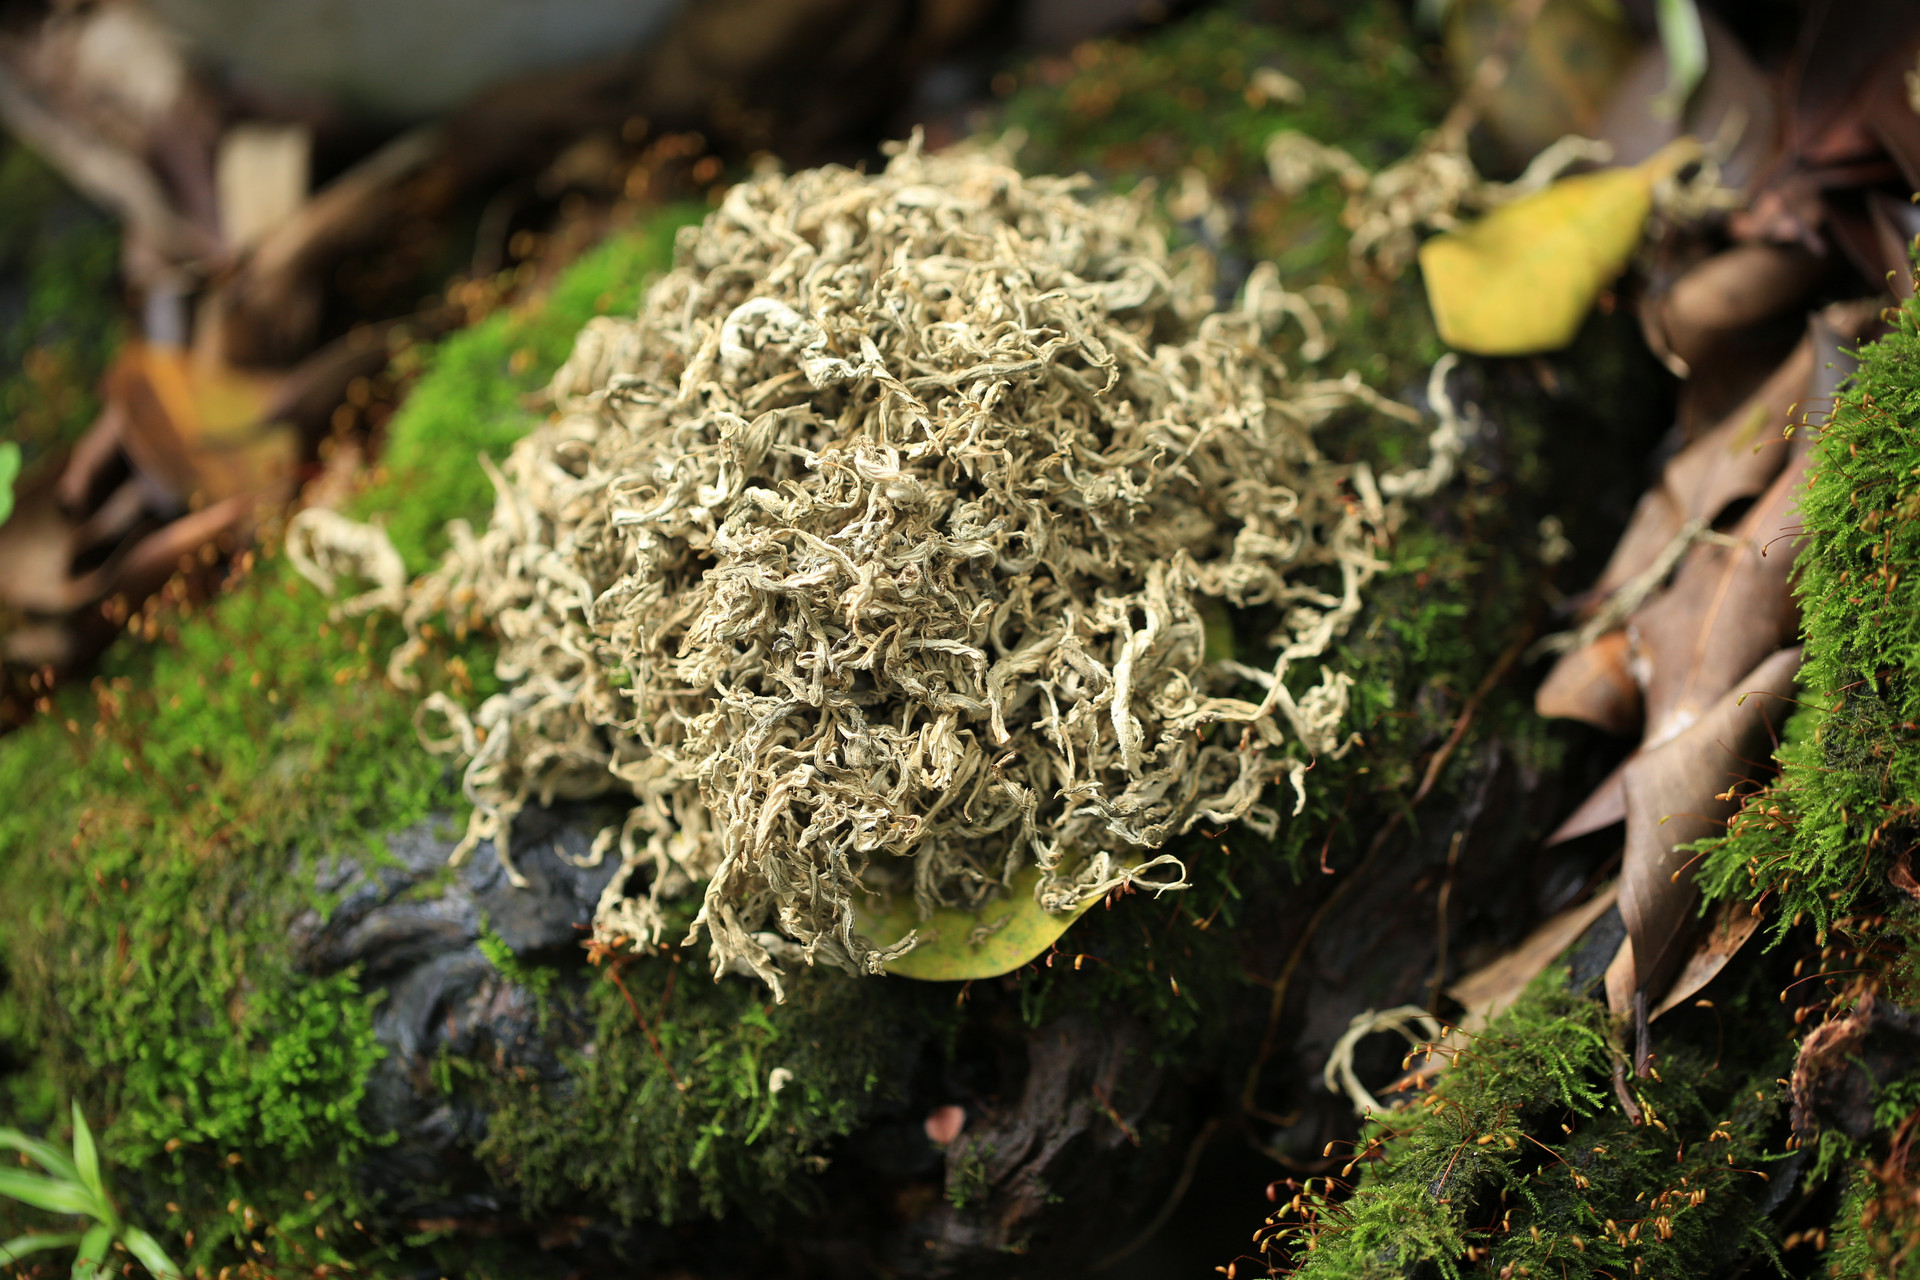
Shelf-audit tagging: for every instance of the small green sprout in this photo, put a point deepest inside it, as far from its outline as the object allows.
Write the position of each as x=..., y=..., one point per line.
x=74, y=1186
x=9, y=468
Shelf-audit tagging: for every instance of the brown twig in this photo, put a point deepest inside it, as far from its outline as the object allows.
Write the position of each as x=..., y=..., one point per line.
x=1464, y=720
x=1170, y=1204
x=653, y=1040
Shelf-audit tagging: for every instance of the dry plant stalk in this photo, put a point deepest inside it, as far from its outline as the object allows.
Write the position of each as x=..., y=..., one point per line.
x=875, y=553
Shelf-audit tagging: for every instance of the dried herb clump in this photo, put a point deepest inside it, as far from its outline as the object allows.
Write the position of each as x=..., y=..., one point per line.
x=877, y=551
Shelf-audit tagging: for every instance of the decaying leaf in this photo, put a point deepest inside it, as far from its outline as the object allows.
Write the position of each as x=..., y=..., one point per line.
x=1729, y=607
x=1736, y=459
x=1727, y=930
x=1521, y=279
x=1486, y=991
x=1606, y=806
x=1594, y=684
x=1734, y=107
x=198, y=426
x=955, y=944
x=1718, y=300
x=1681, y=791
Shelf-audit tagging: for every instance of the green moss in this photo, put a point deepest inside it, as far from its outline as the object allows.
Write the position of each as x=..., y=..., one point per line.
x=60, y=320
x=149, y=859
x=1871, y=1239
x=675, y=1112
x=1521, y=1162
x=162, y=827
x=1187, y=97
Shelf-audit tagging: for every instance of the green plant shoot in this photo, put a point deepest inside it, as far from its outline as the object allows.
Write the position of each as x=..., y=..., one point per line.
x=74, y=1186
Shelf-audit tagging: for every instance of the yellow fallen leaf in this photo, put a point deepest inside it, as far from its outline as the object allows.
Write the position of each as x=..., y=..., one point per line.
x=1521, y=279
x=956, y=945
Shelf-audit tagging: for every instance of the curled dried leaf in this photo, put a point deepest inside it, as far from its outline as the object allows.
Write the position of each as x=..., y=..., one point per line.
x=1682, y=791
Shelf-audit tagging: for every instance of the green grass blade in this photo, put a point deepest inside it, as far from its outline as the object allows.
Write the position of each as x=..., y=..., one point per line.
x=151, y=1255
x=48, y=1156
x=90, y=1262
x=9, y=468
x=1685, y=42
x=55, y=1195
x=35, y=1242
x=86, y=1156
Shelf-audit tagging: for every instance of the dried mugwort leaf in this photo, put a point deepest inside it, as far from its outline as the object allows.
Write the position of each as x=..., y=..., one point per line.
x=890, y=548
x=1521, y=279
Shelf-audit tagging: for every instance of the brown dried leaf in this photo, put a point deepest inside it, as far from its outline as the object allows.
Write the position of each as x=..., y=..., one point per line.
x=1734, y=99
x=198, y=426
x=1734, y=460
x=1606, y=806
x=1618, y=982
x=1728, y=607
x=1718, y=300
x=1680, y=792
x=1488, y=990
x=1733, y=923
x=1593, y=684
x=36, y=548
x=1890, y=114
x=1842, y=52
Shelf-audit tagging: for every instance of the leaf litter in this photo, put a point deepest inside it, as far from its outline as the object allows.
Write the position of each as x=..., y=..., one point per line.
x=873, y=556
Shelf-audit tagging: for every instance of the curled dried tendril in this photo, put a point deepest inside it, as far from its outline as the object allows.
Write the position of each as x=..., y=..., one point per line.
x=874, y=554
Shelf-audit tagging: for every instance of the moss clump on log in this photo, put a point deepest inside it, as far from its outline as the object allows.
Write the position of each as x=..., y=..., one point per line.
x=720, y=1102
x=1525, y=1159
x=163, y=827
x=875, y=556
x=1461, y=577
